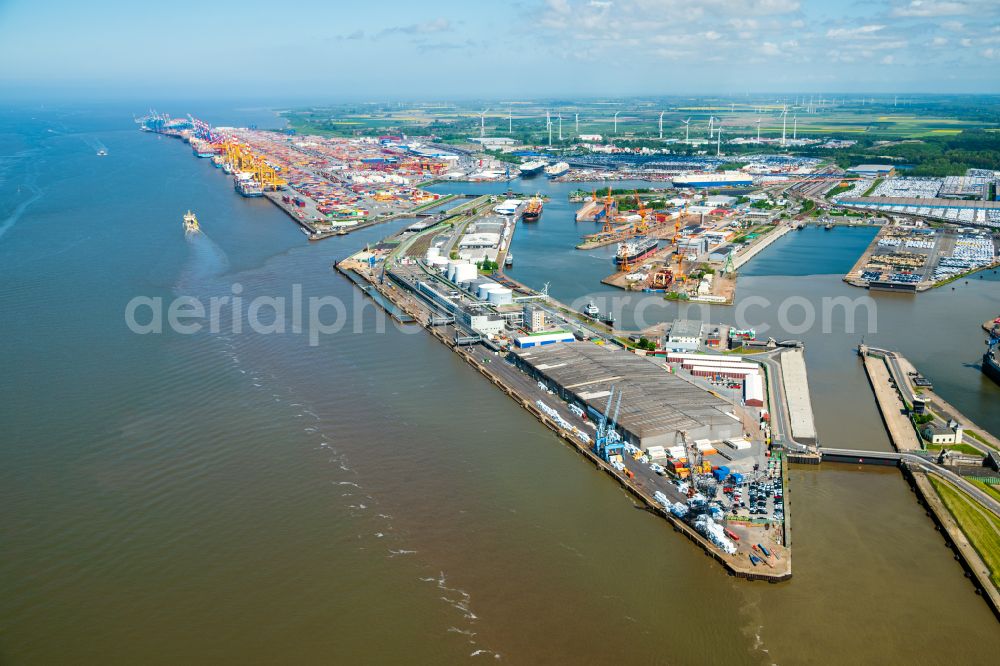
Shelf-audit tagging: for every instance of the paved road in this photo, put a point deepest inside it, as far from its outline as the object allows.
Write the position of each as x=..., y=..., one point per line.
x=781, y=428
x=981, y=496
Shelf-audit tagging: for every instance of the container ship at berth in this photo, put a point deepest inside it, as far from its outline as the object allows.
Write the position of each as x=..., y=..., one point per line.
x=533, y=210
x=532, y=168
x=202, y=148
x=246, y=185
x=556, y=170
x=724, y=179
x=634, y=250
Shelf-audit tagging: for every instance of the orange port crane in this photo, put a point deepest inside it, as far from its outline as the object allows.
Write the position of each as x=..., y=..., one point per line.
x=241, y=158
x=642, y=226
x=609, y=206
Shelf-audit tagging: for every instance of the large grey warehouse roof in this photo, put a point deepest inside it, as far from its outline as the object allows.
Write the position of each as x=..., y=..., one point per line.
x=655, y=403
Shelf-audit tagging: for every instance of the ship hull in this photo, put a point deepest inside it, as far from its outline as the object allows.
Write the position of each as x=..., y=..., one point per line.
x=531, y=216
x=638, y=256
x=712, y=183
x=991, y=368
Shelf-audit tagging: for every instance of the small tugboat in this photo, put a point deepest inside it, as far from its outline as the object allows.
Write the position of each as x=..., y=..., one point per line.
x=191, y=223
x=102, y=153
x=509, y=261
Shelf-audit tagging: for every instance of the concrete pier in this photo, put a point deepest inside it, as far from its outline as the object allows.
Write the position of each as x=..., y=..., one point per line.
x=760, y=245
x=518, y=387
x=890, y=404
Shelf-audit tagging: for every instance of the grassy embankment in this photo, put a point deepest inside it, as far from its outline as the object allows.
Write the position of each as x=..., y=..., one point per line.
x=979, y=525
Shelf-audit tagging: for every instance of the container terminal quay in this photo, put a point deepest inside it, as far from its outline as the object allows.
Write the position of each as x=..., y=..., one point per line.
x=698, y=433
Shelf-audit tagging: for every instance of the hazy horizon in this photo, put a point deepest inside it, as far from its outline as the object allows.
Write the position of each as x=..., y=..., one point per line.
x=526, y=50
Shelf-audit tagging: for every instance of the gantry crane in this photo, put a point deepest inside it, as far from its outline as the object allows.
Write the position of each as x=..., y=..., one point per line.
x=241, y=158
x=642, y=226
x=608, y=442
x=609, y=206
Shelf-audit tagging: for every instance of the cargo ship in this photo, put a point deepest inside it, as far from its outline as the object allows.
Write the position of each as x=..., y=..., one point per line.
x=723, y=179
x=533, y=210
x=191, y=223
x=556, y=170
x=532, y=168
x=591, y=310
x=202, y=148
x=246, y=185
x=991, y=364
x=635, y=250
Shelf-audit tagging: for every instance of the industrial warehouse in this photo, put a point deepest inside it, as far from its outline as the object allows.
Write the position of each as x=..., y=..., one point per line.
x=657, y=406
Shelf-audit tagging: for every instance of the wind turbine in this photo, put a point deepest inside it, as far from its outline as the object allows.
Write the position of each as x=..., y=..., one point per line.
x=616, y=121
x=482, y=123
x=732, y=107
x=577, y=123
x=784, y=123
x=711, y=133
x=758, y=130
x=510, y=121
x=560, y=126
x=687, y=130
x=661, y=124
x=718, y=144
x=548, y=126
x=795, y=127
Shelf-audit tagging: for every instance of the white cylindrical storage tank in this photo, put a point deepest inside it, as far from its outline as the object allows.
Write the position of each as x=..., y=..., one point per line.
x=501, y=296
x=453, y=265
x=433, y=252
x=465, y=273
x=439, y=263
x=484, y=290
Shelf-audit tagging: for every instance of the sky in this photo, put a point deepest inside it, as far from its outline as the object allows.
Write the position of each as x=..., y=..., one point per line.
x=338, y=50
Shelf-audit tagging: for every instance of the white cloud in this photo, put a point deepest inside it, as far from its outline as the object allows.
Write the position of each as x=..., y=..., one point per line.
x=888, y=60
x=854, y=32
x=939, y=41
x=926, y=8
x=769, y=49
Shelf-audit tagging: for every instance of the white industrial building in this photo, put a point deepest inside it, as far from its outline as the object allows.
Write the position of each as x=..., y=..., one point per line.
x=685, y=335
x=753, y=391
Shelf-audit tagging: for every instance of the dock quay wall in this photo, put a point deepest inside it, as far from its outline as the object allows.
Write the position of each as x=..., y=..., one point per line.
x=733, y=567
x=759, y=246
x=965, y=554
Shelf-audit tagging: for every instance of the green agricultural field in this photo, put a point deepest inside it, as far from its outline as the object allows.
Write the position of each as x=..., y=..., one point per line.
x=931, y=135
